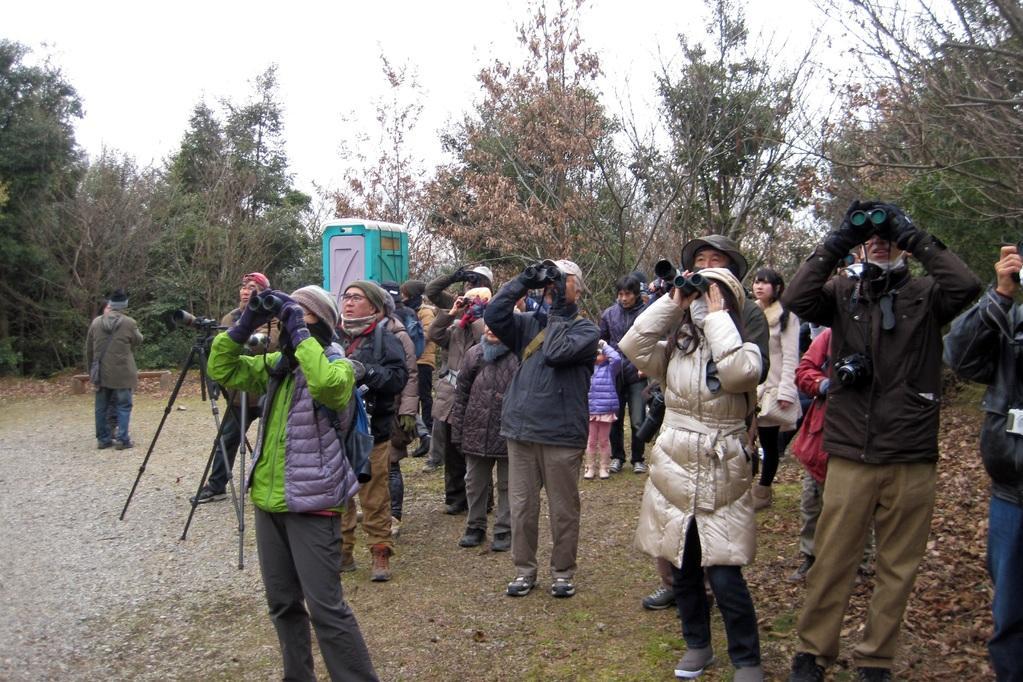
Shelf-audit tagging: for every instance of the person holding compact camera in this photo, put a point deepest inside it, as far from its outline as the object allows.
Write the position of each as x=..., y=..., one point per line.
x=982, y=346
x=545, y=416
x=455, y=335
x=301, y=479
x=881, y=425
x=232, y=432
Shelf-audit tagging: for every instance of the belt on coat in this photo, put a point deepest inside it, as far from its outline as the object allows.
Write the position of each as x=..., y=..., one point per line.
x=716, y=444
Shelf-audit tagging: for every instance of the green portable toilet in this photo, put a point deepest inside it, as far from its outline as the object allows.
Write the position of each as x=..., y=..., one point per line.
x=363, y=249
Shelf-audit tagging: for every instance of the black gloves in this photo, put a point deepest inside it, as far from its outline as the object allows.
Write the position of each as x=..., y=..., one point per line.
x=899, y=228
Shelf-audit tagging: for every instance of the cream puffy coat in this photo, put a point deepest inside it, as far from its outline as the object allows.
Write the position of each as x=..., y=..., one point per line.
x=699, y=467
x=781, y=377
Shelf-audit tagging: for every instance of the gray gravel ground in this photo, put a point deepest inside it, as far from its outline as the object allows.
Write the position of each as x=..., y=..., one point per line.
x=88, y=596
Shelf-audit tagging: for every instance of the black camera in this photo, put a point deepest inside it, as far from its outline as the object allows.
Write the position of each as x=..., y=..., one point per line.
x=654, y=417
x=854, y=370
x=183, y=318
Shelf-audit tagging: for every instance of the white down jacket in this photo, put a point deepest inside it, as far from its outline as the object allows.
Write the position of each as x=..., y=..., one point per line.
x=699, y=468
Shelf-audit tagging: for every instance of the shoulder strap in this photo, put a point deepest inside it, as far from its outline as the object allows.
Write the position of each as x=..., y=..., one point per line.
x=534, y=344
x=110, y=337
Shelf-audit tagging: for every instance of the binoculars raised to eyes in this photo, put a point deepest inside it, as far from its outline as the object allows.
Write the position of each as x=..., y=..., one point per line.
x=266, y=303
x=876, y=217
x=694, y=283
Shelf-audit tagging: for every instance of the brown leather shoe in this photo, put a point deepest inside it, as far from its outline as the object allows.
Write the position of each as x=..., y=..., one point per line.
x=381, y=563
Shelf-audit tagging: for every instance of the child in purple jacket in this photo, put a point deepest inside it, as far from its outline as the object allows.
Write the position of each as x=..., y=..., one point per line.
x=603, y=409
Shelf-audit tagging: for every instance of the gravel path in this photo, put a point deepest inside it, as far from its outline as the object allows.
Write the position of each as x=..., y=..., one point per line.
x=87, y=595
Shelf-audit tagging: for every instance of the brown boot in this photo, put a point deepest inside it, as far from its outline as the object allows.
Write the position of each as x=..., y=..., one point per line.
x=762, y=495
x=347, y=560
x=381, y=563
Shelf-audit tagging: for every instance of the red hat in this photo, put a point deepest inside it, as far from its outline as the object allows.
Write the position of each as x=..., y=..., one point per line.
x=257, y=278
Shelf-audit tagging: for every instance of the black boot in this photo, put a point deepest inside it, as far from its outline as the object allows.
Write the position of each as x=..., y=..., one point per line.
x=473, y=537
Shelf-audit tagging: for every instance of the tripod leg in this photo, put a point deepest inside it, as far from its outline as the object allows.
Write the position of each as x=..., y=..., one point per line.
x=241, y=498
x=166, y=413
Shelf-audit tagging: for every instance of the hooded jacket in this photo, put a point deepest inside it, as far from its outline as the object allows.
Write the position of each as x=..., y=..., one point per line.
x=603, y=397
x=117, y=368
x=476, y=416
x=981, y=347
x=893, y=417
x=699, y=467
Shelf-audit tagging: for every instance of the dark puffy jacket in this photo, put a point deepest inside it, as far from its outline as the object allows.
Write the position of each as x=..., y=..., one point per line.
x=980, y=348
x=894, y=417
x=547, y=399
x=603, y=397
x=614, y=323
x=386, y=375
x=476, y=416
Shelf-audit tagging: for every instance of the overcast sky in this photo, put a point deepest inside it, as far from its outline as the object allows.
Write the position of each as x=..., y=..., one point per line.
x=141, y=67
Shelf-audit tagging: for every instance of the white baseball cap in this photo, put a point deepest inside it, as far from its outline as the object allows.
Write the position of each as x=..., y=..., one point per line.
x=569, y=268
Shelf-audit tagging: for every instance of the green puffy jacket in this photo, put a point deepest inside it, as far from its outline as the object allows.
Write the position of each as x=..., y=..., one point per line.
x=330, y=384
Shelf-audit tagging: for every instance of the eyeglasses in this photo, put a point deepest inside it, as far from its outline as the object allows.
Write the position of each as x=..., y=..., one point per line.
x=354, y=298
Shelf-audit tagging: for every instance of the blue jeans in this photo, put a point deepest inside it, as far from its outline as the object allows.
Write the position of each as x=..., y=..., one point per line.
x=120, y=399
x=631, y=396
x=732, y=597
x=1005, y=564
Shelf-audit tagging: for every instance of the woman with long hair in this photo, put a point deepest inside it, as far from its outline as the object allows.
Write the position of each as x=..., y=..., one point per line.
x=697, y=511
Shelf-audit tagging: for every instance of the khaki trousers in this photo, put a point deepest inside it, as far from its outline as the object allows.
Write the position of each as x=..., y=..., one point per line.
x=375, y=498
x=899, y=499
x=532, y=466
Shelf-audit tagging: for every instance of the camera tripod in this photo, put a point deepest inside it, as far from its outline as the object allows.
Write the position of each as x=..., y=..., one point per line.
x=197, y=357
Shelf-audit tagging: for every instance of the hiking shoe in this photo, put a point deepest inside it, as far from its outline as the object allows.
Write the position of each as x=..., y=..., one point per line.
x=805, y=669
x=208, y=495
x=520, y=587
x=749, y=674
x=659, y=599
x=381, y=563
x=616, y=466
x=693, y=662
x=800, y=573
x=473, y=537
x=562, y=587
x=639, y=468
x=347, y=560
x=430, y=466
x=873, y=675
x=456, y=508
x=424, y=447
x=123, y=445
x=103, y=445
x=501, y=543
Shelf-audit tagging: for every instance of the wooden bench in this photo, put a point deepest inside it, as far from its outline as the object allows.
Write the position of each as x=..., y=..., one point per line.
x=80, y=382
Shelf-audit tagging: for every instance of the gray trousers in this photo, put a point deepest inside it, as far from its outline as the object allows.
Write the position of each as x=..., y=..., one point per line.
x=299, y=556
x=479, y=472
x=809, y=512
x=532, y=466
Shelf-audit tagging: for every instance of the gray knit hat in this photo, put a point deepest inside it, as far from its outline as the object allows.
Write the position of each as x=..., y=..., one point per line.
x=118, y=300
x=378, y=298
x=317, y=301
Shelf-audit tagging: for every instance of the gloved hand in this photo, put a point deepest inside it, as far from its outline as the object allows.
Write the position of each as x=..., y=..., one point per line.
x=899, y=228
x=407, y=422
x=359, y=369
x=842, y=240
x=822, y=387
x=558, y=302
x=249, y=321
x=291, y=316
x=532, y=277
x=601, y=344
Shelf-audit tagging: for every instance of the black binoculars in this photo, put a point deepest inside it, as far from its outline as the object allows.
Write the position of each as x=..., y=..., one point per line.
x=183, y=318
x=694, y=283
x=543, y=273
x=258, y=343
x=876, y=217
x=265, y=303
